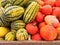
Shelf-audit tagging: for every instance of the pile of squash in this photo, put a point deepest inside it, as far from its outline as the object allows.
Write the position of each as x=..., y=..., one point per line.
x=14, y=15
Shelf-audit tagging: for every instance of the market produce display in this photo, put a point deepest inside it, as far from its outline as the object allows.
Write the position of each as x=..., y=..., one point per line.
x=29, y=20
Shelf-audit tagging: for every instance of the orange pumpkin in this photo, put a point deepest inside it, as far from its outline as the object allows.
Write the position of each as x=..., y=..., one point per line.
x=48, y=32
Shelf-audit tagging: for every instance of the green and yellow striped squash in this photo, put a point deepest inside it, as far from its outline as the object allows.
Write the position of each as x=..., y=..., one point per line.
x=2, y=21
x=21, y=34
x=14, y=2
x=1, y=11
x=7, y=5
x=17, y=24
x=13, y=13
x=31, y=12
x=10, y=36
x=4, y=2
x=19, y=2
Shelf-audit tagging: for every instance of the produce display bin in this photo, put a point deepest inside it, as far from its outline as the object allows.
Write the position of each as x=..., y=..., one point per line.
x=24, y=11
x=29, y=42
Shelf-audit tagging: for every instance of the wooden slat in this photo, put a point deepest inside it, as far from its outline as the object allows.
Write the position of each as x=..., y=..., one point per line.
x=29, y=42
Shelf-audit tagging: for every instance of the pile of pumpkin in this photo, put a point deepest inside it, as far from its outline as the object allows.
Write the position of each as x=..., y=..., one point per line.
x=29, y=20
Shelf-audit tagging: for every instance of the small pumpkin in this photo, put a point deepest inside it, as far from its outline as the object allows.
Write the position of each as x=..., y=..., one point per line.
x=10, y=36
x=21, y=34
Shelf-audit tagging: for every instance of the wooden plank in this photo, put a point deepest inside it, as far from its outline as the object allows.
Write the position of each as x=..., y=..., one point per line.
x=29, y=42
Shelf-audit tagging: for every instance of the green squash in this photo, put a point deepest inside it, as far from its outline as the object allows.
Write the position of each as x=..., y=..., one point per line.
x=10, y=36
x=17, y=24
x=13, y=13
x=31, y=12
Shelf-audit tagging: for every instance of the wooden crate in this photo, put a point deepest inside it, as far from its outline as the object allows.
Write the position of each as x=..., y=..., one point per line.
x=29, y=42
